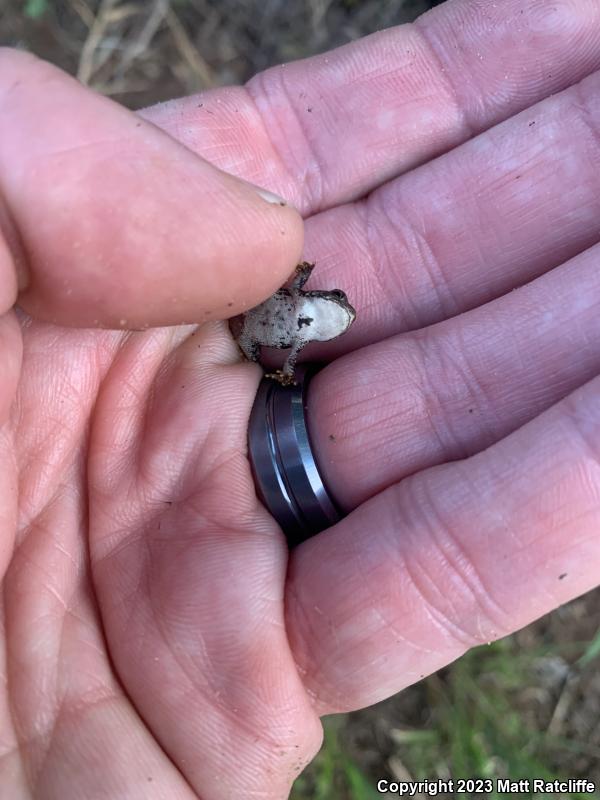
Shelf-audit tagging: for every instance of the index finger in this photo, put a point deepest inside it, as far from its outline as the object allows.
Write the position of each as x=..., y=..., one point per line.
x=328, y=129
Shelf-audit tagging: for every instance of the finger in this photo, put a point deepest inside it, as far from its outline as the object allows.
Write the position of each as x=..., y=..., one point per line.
x=330, y=128
x=122, y=226
x=504, y=208
x=449, y=391
x=453, y=557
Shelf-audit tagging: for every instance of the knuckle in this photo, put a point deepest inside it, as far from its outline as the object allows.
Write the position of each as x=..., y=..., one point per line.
x=443, y=572
x=451, y=381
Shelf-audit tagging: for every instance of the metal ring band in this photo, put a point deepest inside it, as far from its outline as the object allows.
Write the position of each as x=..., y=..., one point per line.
x=285, y=472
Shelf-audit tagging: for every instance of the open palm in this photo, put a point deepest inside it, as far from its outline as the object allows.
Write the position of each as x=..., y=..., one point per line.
x=159, y=641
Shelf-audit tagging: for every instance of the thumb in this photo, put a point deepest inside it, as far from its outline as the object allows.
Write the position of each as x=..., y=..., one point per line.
x=111, y=222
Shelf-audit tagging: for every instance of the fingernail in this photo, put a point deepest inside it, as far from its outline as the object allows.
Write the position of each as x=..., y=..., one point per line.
x=271, y=198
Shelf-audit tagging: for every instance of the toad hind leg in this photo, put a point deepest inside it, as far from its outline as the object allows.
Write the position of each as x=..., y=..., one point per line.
x=285, y=375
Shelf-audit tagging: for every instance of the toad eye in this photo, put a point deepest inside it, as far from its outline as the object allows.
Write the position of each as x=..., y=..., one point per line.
x=338, y=293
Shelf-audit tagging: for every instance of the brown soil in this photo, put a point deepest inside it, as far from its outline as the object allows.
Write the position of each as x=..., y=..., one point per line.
x=142, y=53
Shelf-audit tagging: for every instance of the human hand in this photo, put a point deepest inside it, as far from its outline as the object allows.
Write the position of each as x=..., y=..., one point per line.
x=147, y=652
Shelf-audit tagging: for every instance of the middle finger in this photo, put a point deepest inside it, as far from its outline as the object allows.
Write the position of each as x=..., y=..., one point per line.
x=475, y=223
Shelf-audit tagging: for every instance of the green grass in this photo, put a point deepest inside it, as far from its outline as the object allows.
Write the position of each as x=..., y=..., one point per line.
x=479, y=730
x=332, y=775
x=592, y=651
x=35, y=8
x=476, y=728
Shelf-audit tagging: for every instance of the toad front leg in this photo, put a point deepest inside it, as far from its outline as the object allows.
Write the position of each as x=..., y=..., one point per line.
x=303, y=271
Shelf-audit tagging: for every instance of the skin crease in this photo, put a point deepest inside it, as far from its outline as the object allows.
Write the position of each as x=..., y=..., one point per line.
x=157, y=639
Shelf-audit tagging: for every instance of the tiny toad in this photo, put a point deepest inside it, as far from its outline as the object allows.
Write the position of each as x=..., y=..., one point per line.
x=293, y=318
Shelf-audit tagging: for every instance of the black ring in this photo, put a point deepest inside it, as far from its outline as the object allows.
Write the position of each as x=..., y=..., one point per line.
x=284, y=468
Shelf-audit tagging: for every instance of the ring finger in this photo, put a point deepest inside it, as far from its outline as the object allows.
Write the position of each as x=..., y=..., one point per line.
x=453, y=389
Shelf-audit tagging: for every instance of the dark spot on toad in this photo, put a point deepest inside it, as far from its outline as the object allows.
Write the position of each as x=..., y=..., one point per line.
x=331, y=437
x=304, y=321
x=562, y=577
x=309, y=110
x=230, y=304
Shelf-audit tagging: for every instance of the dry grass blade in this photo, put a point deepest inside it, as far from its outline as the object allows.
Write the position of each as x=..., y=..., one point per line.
x=563, y=704
x=87, y=61
x=120, y=86
x=83, y=11
x=318, y=9
x=140, y=43
x=401, y=774
x=189, y=53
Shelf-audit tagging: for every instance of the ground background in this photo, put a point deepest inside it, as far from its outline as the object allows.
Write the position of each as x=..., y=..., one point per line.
x=528, y=706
